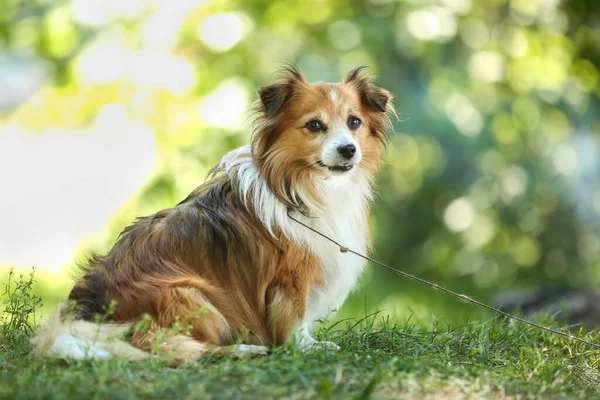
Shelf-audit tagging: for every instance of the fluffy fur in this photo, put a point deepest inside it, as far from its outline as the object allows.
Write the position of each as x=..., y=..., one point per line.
x=227, y=261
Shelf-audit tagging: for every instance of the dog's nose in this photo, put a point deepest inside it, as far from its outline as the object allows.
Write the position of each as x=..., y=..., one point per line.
x=347, y=151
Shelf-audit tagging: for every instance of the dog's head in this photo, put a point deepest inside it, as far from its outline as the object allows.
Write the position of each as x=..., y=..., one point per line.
x=319, y=131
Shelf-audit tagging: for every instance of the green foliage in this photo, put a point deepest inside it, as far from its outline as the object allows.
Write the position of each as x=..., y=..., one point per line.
x=18, y=317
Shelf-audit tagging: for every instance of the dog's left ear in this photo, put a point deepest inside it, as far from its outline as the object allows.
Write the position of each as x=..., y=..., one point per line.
x=371, y=96
x=273, y=97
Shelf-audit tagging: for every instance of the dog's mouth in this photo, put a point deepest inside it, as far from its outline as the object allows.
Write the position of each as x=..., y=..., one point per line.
x=336, y=168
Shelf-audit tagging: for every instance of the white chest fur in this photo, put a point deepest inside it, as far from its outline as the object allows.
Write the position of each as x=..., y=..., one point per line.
x=345, y=221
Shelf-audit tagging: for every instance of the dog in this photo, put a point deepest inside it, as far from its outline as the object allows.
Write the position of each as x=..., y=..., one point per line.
x=228, y=263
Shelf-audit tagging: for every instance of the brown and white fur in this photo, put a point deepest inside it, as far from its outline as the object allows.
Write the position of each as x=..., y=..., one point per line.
x=228, y=260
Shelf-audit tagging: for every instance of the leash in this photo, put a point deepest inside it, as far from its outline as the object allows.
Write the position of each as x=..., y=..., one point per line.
x=459, y=296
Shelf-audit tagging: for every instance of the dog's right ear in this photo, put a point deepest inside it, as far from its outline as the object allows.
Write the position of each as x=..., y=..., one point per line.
x=273, y=97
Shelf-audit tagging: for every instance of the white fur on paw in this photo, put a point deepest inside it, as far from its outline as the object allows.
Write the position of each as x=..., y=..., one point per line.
x=68, y=346
x=245, y=350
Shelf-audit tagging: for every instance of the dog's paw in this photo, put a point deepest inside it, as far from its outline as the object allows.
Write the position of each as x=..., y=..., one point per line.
x=323, y=345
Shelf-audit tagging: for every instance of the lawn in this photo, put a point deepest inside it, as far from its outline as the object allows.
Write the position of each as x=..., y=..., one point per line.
x=378, y=359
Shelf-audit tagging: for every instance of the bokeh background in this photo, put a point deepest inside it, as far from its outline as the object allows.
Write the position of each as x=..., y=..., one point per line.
x=111, y=109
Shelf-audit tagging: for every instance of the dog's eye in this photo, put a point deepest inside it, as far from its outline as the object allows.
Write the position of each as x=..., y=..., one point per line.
x=354, y=122
x=314, y=125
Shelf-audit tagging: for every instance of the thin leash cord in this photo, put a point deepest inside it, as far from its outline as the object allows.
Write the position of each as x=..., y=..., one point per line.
x=344, y=249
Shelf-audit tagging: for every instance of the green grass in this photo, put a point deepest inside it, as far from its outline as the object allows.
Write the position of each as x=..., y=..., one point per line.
x=379, y=359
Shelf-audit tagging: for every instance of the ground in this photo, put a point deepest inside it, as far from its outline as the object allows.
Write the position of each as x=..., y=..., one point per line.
x=378, y=359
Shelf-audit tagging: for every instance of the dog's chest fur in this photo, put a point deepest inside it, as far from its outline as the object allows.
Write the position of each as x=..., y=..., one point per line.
x=346, y=222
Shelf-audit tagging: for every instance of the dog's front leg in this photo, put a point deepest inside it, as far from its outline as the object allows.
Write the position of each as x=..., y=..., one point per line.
x=286, y=310
x=285, y=307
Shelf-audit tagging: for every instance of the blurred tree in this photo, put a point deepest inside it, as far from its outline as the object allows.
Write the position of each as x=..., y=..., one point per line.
x=491, y=179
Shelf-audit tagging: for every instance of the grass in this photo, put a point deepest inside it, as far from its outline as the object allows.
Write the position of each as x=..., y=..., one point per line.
x=379, y=359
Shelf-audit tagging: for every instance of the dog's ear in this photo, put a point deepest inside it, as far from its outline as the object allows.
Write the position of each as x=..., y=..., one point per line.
x=372, y=97
x=273, y=97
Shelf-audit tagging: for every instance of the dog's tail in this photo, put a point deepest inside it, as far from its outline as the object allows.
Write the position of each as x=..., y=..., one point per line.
x=83, y=340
